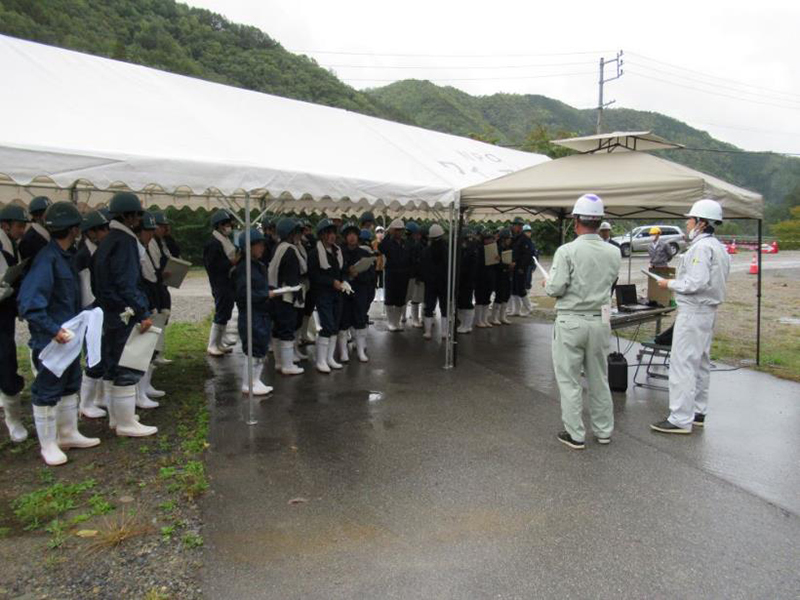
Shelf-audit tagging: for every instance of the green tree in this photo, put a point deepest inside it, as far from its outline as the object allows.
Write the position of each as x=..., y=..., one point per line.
x=788, y=231
x=539, y=141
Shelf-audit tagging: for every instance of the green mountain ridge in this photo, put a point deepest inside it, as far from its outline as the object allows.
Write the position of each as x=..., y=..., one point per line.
x=199, y=43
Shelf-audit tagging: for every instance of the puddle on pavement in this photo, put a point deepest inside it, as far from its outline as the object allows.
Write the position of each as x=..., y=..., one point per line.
x=789, y=320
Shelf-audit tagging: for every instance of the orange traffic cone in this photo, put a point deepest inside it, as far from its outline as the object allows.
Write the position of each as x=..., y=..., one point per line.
x=754, y=265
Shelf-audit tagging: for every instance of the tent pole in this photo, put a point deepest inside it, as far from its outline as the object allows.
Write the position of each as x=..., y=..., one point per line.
x=453, y=234
x=248, y=271
x=758, y=299
x=630, y=254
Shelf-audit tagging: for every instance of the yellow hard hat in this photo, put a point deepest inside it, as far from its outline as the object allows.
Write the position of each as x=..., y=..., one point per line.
x=655, y=231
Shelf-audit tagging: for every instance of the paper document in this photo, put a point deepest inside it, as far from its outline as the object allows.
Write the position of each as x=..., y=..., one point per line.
x=287, y=289
x=13, y=273
x=507, y=257
x=539, y=266
x=490, y=255
x=364, y=264
x=652, y=275
x=177, y=270
x=139, y=348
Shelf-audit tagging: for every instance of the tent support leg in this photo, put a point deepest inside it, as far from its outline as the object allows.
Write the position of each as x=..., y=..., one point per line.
x=758, y=299
x=630, y=254
x=452, y=270
x=251, y=420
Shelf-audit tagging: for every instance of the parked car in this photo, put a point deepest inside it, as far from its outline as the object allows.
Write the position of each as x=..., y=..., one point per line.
x=670, y=234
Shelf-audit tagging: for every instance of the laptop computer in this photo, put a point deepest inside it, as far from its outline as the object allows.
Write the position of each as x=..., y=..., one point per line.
x=627, y=300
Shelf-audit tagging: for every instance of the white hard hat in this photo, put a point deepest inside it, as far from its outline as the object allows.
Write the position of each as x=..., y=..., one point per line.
x=605, y=225
x=435, y=231
x=589, y=206
x=706, y=209
x=397, y=224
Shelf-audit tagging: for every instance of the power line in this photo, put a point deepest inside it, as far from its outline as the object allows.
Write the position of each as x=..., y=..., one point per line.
x=345, y=53
x=480, y=78
x=708, y=83
x=741, y=83
x=425, y=67
x=696, y=89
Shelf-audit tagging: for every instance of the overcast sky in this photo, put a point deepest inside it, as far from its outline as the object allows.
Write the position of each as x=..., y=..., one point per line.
x=730, y=68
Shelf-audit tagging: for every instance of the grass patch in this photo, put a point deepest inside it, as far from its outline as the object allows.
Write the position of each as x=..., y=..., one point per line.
x=117, y=529
x=43, y=505
x=192, y=540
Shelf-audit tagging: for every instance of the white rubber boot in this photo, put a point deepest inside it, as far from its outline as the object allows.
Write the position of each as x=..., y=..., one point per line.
x=322, y=354
x=428, y=324
x=512, y=306
x=305, y=331
x=123, y=400
x=90, y=389
x=148, y=385
x=467, y=318
x=479, y=316
x=503, y=318
x=13, y=414
x=68, y=435
x=213, y=340
x=331, y=351
x=46, y=431
x=276, y=354
x=495, y=314
x=416, y=315
x=142, y=401
x=228, y=337
x=259, y=388
x=361, y=345
x=344, y=355
x=527, y=307
x=390, y=319
x=286, y=351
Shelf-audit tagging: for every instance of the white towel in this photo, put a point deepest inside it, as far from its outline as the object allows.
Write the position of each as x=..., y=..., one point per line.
x=227, y=245
x=323, y=256
x=41, y=231
x=86, y=325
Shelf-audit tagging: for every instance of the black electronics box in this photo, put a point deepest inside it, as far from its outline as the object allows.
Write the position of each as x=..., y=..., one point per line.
x=617, y=372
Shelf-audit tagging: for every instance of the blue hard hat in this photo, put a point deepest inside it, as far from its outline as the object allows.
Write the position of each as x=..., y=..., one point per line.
x=39, y=204
x=92, y=220
x=365, y=235
x=350, y=226
x=286, y=227
x=220, y=216
x=255, y=236
x=412, y=227
x=323, y=225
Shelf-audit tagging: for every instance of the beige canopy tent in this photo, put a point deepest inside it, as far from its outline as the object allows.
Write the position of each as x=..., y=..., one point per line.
x=633, y=185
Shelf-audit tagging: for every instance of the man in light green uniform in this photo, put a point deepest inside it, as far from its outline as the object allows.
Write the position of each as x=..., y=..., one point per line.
x=581, y=278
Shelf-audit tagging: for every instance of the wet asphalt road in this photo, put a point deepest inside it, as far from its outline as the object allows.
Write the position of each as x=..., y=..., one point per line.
x=451, y=484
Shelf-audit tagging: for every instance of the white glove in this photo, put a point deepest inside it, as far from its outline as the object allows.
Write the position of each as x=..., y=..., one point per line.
x=346, y=288
x=126, y=314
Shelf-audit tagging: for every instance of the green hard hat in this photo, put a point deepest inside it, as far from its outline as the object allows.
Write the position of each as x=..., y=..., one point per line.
x=124, y=202
x=105, y=212
x=220, y=216
x=518, y=221
x=255, y=236
x=148, y=221
x=367, y=217
x=350, y=226
x=160, y=217
x=92, y=220
x=505, y=233
x=12, y=212
x=39, y=204
x=323, y=225
x=62, y=215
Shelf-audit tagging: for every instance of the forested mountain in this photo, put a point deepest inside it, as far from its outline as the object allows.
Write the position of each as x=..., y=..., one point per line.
x=196, y=42
x=509, y=119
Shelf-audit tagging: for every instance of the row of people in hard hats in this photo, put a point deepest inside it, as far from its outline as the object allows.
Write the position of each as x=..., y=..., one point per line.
x=111, y=259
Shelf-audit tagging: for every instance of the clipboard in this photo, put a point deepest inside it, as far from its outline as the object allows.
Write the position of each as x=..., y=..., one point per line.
x=177, y=269
x=507, y=257
x=363, y=264
x=139, y=348
x=491, y=256
x=288, y=289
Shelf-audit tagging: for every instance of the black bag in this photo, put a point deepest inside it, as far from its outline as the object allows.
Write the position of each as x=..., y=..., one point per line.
x=617, y=372
x=665, y=337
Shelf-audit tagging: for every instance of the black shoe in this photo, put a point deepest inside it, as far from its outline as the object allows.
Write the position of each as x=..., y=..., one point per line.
x=667, y=427
x=566, y=439
x=603, y=441
x=699, y=420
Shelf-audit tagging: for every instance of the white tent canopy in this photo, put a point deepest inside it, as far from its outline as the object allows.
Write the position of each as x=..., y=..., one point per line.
x=617, y=141
x=72, y=120
x=632, y=184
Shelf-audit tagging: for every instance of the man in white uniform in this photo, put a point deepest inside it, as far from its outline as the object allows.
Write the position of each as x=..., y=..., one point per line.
x=699, y=289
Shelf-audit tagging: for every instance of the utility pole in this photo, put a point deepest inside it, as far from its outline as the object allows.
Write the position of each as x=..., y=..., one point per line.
x=600, y=105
